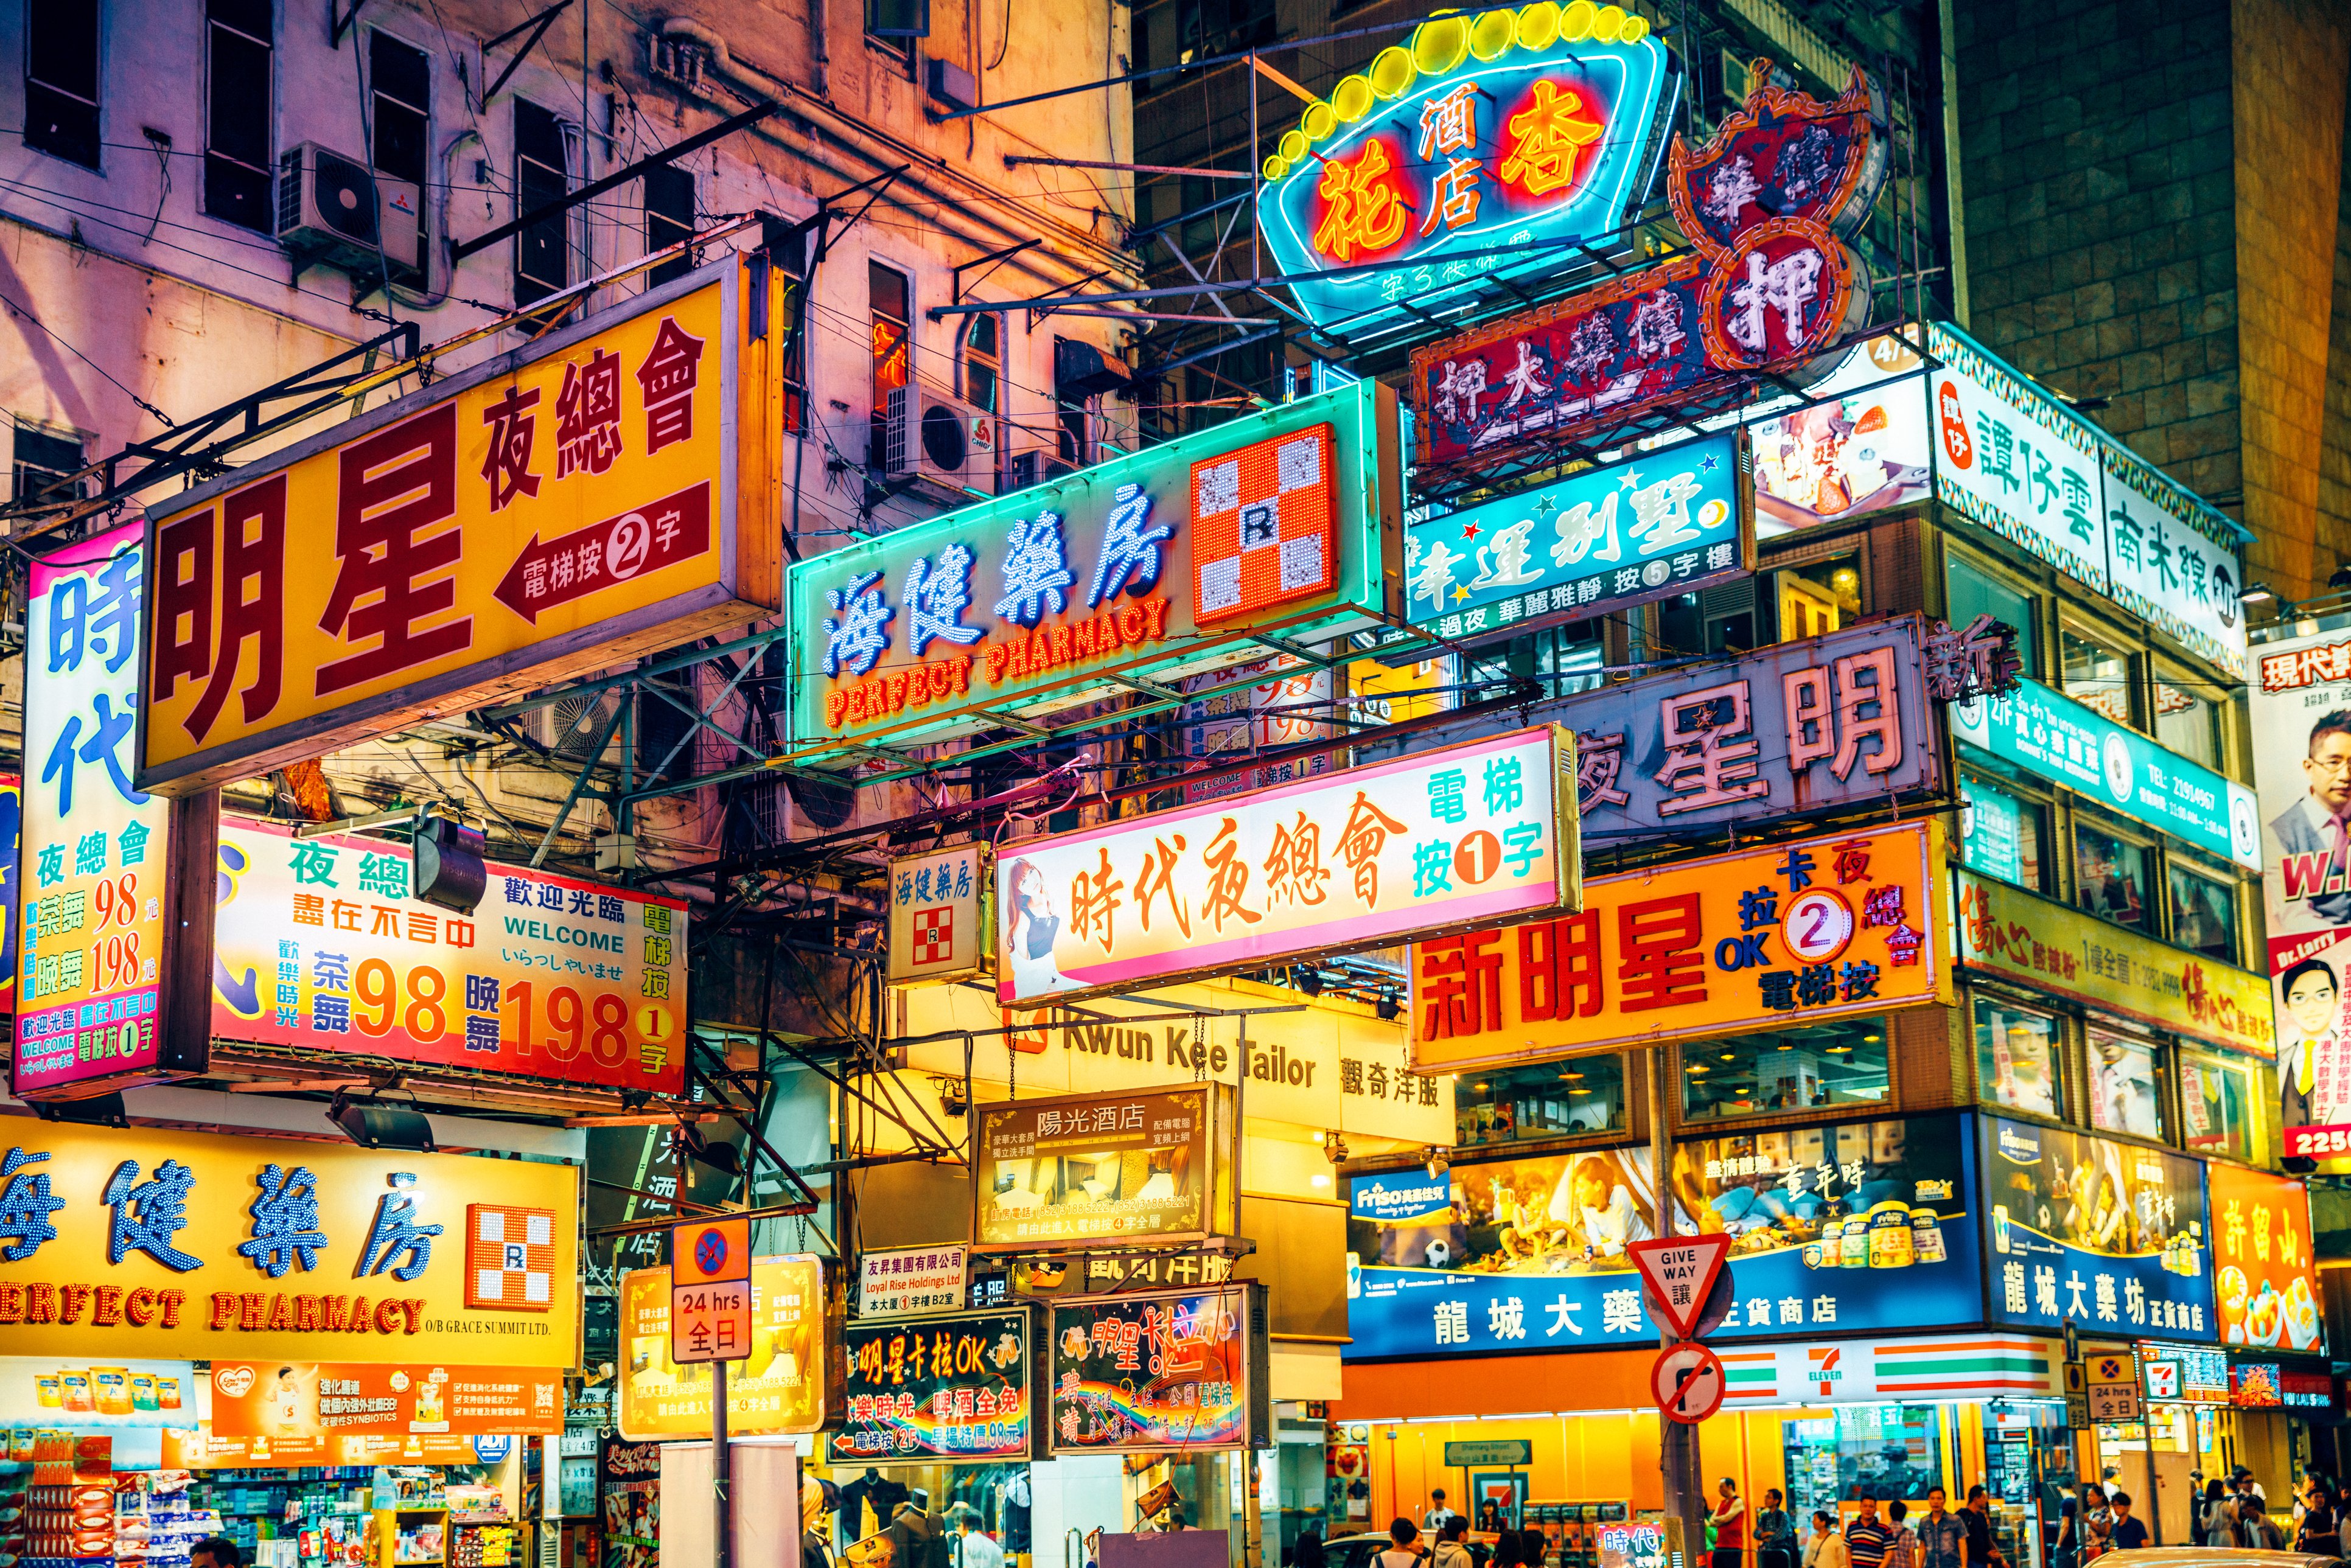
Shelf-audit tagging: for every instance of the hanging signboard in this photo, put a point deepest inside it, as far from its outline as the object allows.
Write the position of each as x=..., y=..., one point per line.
x=1844, y=720
x=1674, y=520
x=1863, y=448
x=2050, y=947
x=1287, y=707
x=2088, y=1230
x=436, y=554
x=158, y=1242
x=2069, y=743
x=88, y=907
x=1469, y=833
x=911, y=1281
x=2300, y=710
x=2265, y=1271
x=12, y=828
x=1158, y=563
x=1769, y=285
x=1830, y=927
x=789, y=1384
x=1913, y=1368
x=1466, y=137
x=282, y=1400
x=929, y=1390
x=938, y=908
x=1104, y=1169
x=320, y=947
x=1173, y=1372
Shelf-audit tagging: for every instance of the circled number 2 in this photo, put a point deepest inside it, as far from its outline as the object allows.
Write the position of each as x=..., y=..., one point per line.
x=1817, y=925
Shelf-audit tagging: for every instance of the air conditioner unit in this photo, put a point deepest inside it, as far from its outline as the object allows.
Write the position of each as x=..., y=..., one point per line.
x=1035, y=468
x=929, y=434
x=336, y=209
x=569, y=727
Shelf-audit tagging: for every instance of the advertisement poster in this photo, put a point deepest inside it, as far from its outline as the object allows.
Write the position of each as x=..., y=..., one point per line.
x=1285, y=707
x=2110, y=1236
x=1473, y=832
x=206, y=1246
x=12, y=828
x=903, y=1284
x=939, y=910
x=284, y=1400
x=1859, y=1226
x=1672, y=520
x=124, y=1393
x=1823, y=928
x=1864, y=452
x=936, y=1389
x=2301, y=710
x=628, y=1480
x=206, y=1450
x=2265, y=1278
x=317, y=944
x=781, y=1388
x=1103, y=1167
x=1179, y=1372
x=89, y=911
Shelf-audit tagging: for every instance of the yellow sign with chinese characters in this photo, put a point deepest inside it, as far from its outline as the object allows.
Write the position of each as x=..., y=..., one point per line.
x=194, y=1246
x=1847, y=925
x=602, y=492
x=787, y=1384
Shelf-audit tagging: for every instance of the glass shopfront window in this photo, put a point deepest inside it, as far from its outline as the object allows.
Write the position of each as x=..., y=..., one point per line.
x=2098, y=676
x=1827, y=1064
x=1557, y=1099
x=2216, y=1104
x=2110, y=877
x=2017, y=1058
x=2122, y=1089
x=2204, y=914
x=1883, y=1451
x=2003, y=834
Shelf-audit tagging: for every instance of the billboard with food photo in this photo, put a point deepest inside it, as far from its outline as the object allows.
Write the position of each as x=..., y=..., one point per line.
x=1861, y=453
x=1857, y=1227
x=2265, y=1279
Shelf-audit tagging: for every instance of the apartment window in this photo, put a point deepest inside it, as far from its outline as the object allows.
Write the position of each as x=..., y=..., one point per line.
x=400, y=92
x=1827, y=1064
x=2123, y=1076
x=1819, y=598
x=42, y=459
x=542, y=175
x=2216, y=1104
x=1970, y=592
x=2203, y=912
x=983, y=362
x=893, y=25
x=237, y=154
x=669, y=218
x=2186, y=722
x=2017, y=1055
x=1555, y=1100
x=2097, y=674
x=2002, y=834
x=2110, y=877
x=891, y=300
x=62, y=80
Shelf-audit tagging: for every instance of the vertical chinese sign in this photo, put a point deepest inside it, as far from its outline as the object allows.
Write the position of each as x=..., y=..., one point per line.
x=1446, y=839
x=2265, y=1271
x=604, y=491
x=89, y=892
x=937, y=907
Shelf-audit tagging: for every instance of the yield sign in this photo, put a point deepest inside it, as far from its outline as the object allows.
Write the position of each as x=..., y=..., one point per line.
x=1679, y=1270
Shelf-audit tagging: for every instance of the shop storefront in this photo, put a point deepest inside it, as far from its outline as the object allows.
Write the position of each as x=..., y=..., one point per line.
x=329, y=1355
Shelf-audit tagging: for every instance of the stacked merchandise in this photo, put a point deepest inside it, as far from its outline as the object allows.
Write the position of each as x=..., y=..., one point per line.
x=480, y=1533
x=310, y=1517
x=156, y=1521
x=60, y=1488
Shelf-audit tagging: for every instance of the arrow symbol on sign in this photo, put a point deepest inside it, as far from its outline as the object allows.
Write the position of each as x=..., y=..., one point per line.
x=553, y=573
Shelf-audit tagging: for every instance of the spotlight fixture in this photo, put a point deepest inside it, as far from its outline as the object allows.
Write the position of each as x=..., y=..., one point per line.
x=93, y=1111
x=1387, y=1006
x=1309, y=979
x=2258, y=593
x=722, y=1157
x=1334, y=1148
x=371, y=1124
x=447, y=864
x=1437, y=1165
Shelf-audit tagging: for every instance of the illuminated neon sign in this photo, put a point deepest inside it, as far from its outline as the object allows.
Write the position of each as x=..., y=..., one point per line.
x=1510, y=127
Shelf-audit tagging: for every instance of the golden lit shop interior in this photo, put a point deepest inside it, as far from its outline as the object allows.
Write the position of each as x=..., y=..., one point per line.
x=118, y=1461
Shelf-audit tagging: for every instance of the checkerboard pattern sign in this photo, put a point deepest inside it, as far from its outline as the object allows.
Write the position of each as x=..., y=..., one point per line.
x=934, y=935
x=510, y=1258
x=1263, y=530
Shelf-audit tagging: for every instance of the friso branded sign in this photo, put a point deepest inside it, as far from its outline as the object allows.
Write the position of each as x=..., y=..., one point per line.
x=1671, y=521
x=1159, y=562
x=91, y=875
x=1514, y=128
x=187, y=1244
x=555, y=510
x=1765, y=204
x=1473, y=832
x=319, y=946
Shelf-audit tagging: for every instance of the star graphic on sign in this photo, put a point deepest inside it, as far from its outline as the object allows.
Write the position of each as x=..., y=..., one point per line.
x=1706, y=463
x=1459, y=593
x=1632, y=480
x=1546, y=505
x=1469, y=531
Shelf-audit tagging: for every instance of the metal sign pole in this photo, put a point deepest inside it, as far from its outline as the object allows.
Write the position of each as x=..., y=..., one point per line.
x=723, y=1542
x=1676, y=1440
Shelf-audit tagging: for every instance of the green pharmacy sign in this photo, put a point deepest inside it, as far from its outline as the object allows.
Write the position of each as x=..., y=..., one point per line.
x=1285, y=524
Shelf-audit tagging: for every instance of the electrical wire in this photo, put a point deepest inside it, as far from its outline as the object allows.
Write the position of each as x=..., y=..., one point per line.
x=23, y=314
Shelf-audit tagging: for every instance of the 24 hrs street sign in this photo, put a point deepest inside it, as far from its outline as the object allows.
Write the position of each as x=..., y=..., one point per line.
x=710, y=1290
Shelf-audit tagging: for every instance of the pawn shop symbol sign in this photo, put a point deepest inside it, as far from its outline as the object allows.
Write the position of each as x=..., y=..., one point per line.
x=1680, y=1272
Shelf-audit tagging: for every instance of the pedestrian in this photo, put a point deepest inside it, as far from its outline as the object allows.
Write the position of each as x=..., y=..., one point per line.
x=1534, y=1548
x=1729, y=1520
x=2067, y=1551
x=1308, y=1552
x=1401, y=1552
x=1902, y=1544
x=1942, y=1534
x=2247, y=1486
x=2318, y=1531
x=2255, y=1529
x=1506, y=1549
x=1983, y=1552
x=1865, y=1538
x=1452, y=1544
x=1772, y=1532
x=1439, y=1511
x=1827, y=1548
x=2216, y=1515
x=2097, y=1519
x=2129, y=1534
x=1489, y=1515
